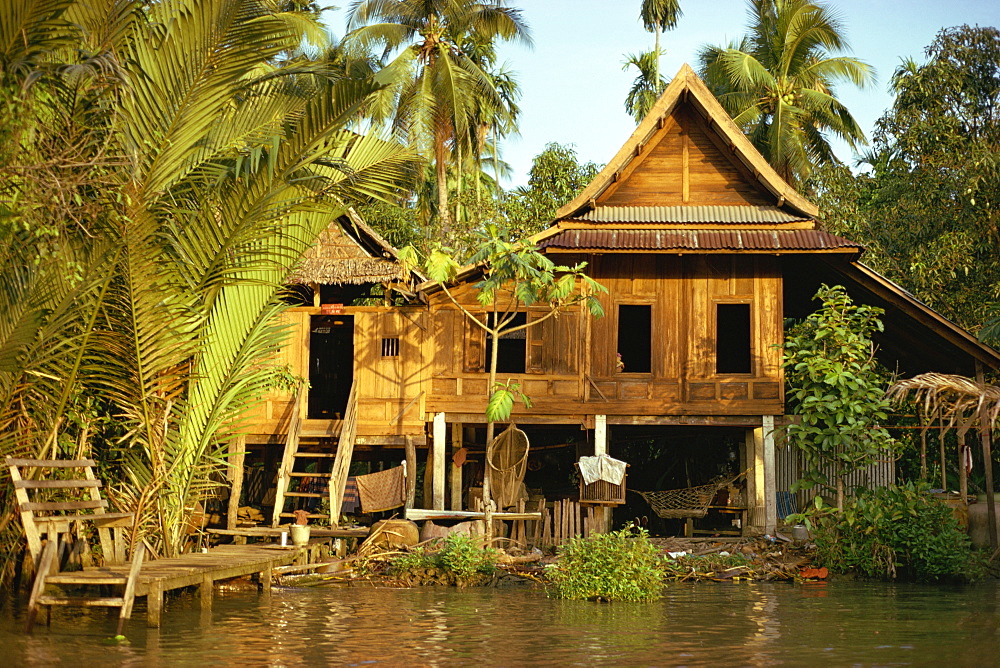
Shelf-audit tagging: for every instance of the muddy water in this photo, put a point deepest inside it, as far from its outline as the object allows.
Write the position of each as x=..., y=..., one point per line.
x=695, y=625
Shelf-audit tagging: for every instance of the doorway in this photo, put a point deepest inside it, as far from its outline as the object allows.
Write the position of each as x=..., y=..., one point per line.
x=331, y=365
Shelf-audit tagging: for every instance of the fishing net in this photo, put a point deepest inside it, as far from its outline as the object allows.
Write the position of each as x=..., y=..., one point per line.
x=507, y=455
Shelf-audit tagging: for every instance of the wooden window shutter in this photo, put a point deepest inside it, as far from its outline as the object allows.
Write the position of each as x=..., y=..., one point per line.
x=536, y=343
x=475, y=345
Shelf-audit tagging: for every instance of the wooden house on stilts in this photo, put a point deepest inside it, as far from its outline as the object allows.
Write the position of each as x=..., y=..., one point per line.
x=705, y=252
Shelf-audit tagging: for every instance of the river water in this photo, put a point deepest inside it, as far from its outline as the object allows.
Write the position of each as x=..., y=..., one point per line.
x=733, y=624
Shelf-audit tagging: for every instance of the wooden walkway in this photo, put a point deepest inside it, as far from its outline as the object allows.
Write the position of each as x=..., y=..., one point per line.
x=201, y=570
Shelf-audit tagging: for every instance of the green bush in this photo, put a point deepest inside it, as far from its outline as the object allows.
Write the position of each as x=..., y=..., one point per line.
x=896, y=532
x=617, y=566
x=460, y=556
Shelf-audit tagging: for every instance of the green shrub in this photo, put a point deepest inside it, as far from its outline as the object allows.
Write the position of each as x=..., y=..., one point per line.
x=896, y=532
x=617, y=566
x=464, y=557
x=459, y=555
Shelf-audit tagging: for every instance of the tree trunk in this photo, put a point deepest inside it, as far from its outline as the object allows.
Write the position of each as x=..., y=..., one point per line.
x=656, y=70
x=441, y=173
x=490, y=430
x=840, y=491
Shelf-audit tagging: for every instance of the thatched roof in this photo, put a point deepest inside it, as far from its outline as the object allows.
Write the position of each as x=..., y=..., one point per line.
x=954, y=399
x=349, y=252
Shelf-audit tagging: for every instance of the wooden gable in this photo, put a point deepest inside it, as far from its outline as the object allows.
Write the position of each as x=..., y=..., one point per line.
x=685, y=163
x=688, y=152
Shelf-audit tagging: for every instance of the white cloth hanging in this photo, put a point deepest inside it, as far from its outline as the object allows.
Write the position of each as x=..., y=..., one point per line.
x=602, y=467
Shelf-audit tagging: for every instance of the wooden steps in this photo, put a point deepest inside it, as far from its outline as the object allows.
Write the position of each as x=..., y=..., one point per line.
x=337, y=475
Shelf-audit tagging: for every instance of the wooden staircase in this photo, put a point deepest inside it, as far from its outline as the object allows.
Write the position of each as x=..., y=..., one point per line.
x=337, y=473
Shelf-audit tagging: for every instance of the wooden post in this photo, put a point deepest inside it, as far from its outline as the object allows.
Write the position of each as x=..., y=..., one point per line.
x=437, y=478
x=984, y=436
x=963, y=474
x=770, y=487
x=923, y=450
x=411, y=471
x=205, y=592
x=944, y=460
x=456, y=471
x=755, y=478
x=237, y=454
x=154, y=604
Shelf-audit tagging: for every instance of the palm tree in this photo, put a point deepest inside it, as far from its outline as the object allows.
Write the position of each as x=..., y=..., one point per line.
x=657, y=16
x=647, y=86
x=205, y=170
x=440, y=85
x=777, y=83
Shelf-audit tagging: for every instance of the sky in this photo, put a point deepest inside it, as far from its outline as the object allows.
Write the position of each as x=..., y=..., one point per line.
x=573, y=86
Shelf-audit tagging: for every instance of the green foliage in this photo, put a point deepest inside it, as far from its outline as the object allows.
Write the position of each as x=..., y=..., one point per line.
x=556, y=177
x=896, y=532
x=835, y=389
x=647, y=86
x=144, y=244
x=460, y=556
x=501, y=401
x=616, y=566
x=778, y=83
x=927, y=207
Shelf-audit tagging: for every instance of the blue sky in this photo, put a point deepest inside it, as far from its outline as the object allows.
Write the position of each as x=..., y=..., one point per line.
x=573, y=86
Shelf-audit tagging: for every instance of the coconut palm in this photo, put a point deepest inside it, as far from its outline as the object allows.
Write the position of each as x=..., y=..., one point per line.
x=657, y=16
x=778, y=83
x=647, y=86
x=440, y=86
x=229, y=153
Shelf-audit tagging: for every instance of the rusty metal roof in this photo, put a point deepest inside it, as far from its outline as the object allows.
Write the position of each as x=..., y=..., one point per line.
x=745, y=214
x=699, y=240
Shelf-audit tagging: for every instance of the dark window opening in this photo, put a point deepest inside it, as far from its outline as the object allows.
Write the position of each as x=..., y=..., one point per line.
x=512, y=353
x=732, y=345
x=635, y=338
x=390, y=347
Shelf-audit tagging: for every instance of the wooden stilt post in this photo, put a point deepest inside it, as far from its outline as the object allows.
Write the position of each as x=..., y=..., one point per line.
x=456, y=471
x=411, y=471
x=437, y=473
x=963, y=474
x=237, y=449
x=984, y=436
x=944, y=460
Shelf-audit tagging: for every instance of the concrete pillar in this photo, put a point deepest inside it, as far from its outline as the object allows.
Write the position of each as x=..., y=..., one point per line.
x=755, y=479
x=600, y=434
x=770, y=488
x=438, y=473
x=602, y=514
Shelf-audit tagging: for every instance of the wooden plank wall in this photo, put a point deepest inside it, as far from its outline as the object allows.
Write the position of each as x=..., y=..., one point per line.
x=684, y=164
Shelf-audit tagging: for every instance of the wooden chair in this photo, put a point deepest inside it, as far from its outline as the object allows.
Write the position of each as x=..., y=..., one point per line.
x=51, y=509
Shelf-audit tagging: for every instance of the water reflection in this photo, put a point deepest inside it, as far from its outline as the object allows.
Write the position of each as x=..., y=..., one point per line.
x=694, y=625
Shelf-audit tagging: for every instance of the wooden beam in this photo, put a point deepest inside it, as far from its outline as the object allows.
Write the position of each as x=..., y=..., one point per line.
x=438, y=472
x=411, y=472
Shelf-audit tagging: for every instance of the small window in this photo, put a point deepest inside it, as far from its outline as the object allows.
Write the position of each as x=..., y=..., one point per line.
x=512, y=352
x=390, y=347
x=732, y=344
x=635, y=338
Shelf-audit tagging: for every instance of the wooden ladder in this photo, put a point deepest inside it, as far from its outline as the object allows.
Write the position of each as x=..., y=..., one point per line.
x=89, y=578
x=287, y=472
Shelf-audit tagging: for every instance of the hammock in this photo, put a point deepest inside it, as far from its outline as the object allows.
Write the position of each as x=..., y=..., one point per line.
x=687, y=501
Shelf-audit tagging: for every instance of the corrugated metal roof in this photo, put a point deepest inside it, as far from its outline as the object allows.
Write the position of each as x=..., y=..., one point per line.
x=698, y=240
x=690, y=214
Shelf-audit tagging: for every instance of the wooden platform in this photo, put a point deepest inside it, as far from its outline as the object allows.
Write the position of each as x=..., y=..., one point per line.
x=268, y=532
x=201, y=570
x=418, y=514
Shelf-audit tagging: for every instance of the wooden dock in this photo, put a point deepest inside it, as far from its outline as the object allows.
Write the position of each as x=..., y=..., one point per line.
x=202, y=570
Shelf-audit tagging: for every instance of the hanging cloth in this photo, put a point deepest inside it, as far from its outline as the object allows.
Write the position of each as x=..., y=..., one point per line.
x=602, y=467
x=383, y=490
